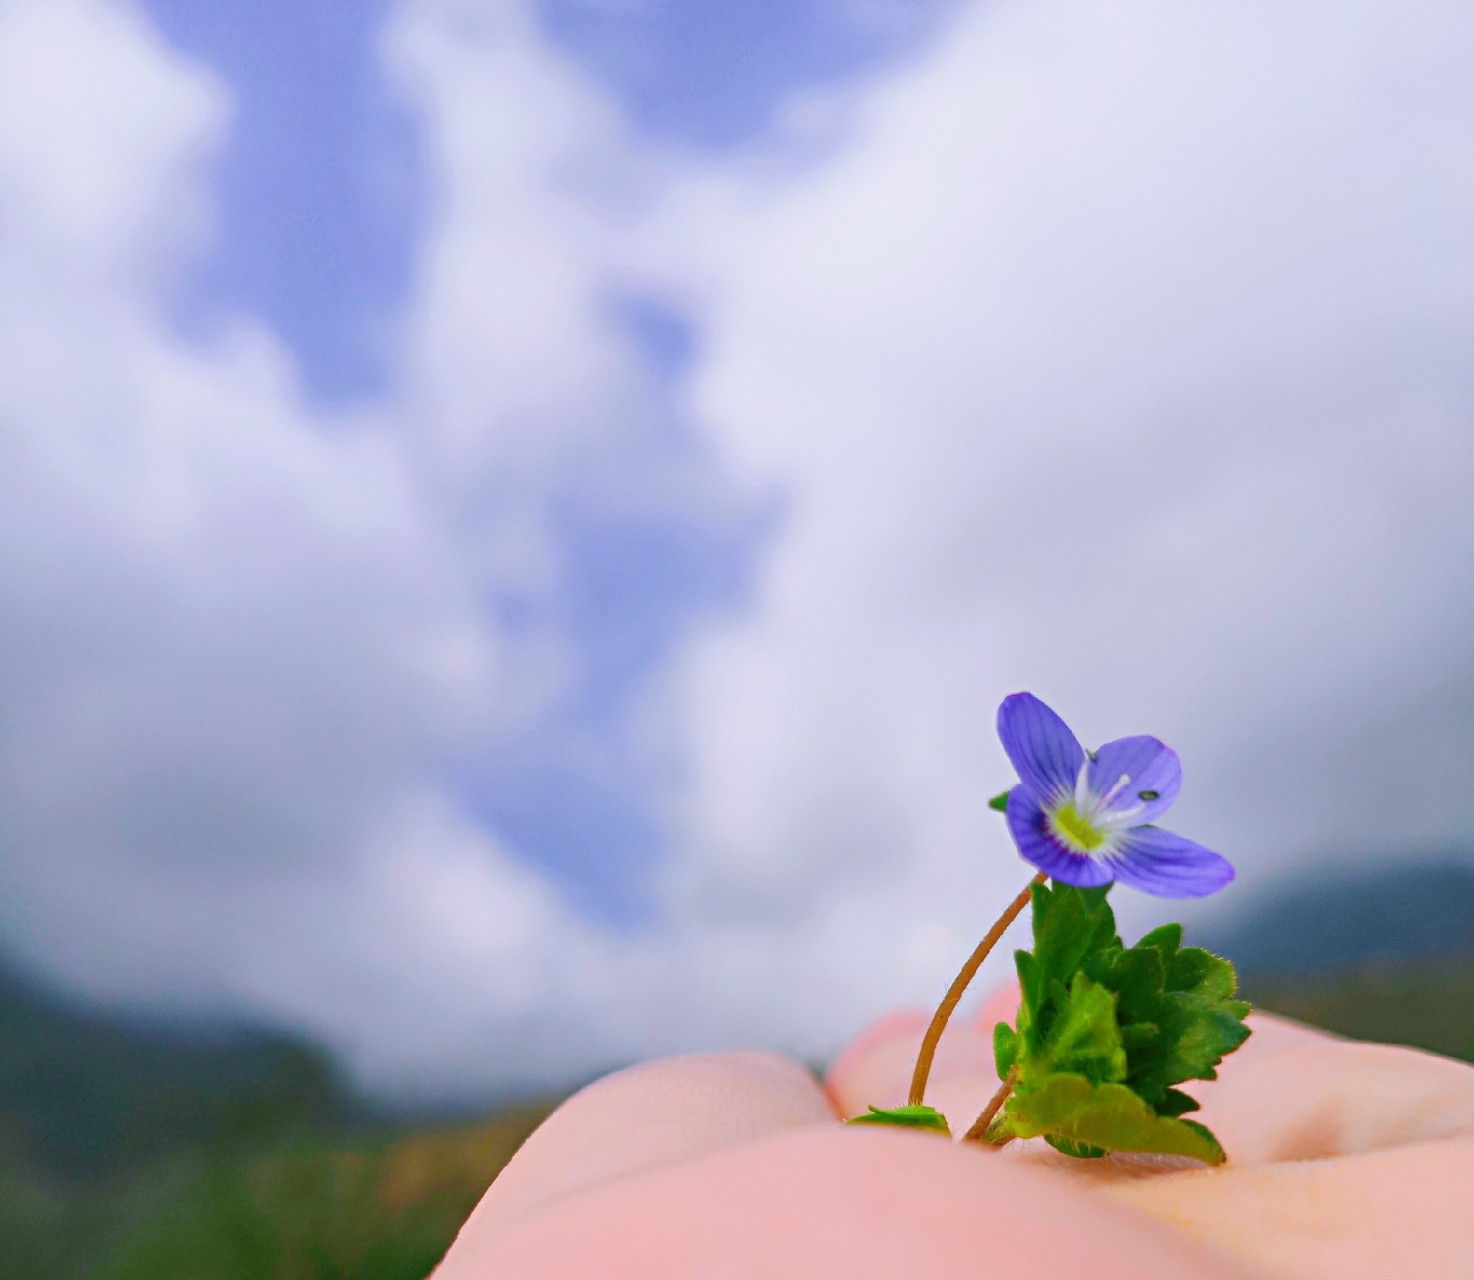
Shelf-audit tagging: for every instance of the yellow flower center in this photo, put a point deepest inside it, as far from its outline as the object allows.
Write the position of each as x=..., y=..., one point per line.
x=1074, y=828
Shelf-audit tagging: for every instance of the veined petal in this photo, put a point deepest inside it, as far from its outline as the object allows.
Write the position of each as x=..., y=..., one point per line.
x=1170, y=866
x=1030, y=830
x=1039, y=744
x=1153, y=771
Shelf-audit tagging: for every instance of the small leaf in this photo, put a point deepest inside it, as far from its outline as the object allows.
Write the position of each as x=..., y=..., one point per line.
x=1110, y=1116
x=908, y=1117
x=1174, y=1102
x=1166, y=937
x=999, y=802
x=1005, y=1048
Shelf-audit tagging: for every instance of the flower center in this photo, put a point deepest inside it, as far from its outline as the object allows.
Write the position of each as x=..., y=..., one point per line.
x=1075, y=829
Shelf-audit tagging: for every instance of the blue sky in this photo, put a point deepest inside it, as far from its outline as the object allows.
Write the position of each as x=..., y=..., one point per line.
x=318, y=184
x=514, y=520
x=318, y=215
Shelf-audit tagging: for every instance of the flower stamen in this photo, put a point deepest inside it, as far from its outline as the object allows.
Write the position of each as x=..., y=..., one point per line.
x=1104, y=802
x=1074, y=829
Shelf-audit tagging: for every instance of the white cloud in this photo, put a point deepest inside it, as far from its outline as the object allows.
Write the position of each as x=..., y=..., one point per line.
x=232, y=631
x=1121, y=356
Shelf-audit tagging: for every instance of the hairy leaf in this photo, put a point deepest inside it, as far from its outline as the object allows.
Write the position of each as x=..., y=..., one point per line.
x=1005, y=1048
x=1125, y=1024
x=1111, y=1117
x=907, y=1117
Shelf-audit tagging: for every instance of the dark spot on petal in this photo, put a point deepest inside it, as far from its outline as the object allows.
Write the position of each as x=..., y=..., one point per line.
x=1148, y=795
x=1092, y=755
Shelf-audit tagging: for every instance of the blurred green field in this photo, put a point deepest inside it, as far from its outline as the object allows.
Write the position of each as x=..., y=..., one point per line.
x=373, y=1209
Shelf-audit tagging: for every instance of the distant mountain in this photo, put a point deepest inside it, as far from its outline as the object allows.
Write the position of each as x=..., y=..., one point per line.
x=1352, y=919
x=84, y=1092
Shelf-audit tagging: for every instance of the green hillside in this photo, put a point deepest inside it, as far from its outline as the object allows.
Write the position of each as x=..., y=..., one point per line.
x=86, y=1094
x=1428, y=1004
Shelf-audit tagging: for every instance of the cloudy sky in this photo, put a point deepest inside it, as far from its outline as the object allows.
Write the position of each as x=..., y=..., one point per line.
x=515, y=517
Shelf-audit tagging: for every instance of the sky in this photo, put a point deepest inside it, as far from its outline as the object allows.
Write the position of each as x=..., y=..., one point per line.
x=515, y=519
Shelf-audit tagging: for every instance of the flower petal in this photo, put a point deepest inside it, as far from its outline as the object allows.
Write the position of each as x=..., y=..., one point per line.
x=1039, y=744
x=1156, y=861
x=1030, y=830
x=1150, y=764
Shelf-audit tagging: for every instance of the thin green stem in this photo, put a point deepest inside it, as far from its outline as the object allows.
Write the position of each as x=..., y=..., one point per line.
x=939, y=1019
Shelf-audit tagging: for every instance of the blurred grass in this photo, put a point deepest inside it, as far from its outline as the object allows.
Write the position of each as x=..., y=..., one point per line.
x=317, y=1212
x=373, y=1209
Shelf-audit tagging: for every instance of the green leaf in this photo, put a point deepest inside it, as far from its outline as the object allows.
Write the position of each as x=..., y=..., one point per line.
x=1073, y=1110
x=1175, y=1007
x=1165, y=937
x=999, y=802
x=1198, y=1022
x=1080, y=1150
x=1083, y=1036
x=907, y=1117
x=1174, y=1102
x=1069, y=924
x=1105, y=1031
x=1005, y=1048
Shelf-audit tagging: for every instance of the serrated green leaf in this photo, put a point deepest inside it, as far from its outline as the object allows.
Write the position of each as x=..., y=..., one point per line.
x=1165, y=937
x=1069, y=925
x=1193, y=969
x=1175, y=1009
x=908, y=1117
x=1173, y=1102
x=1139, y=1037
x=1083, y=1036
x=1128, y=1022
x=1137, y=975
x=999, y=802
x=1005, y=1048
x=1110, y=1116
x=1198, y=1020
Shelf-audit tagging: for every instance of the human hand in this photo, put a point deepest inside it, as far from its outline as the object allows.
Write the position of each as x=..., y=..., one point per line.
x=1345, y=1159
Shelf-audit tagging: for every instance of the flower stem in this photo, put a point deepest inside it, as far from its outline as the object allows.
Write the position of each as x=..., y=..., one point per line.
x=959, y=985
x=979, y=1130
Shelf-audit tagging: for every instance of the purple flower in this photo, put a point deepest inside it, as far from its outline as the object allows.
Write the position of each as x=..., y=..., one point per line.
x=1085, y=818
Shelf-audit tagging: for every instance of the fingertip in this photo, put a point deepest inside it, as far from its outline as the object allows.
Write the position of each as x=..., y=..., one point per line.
x=648, y=1116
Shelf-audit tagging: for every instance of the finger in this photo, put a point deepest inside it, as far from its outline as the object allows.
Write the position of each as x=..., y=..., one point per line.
x=1396, y=1212
x=1301, y=1095
x=654, y=1114
x=835, y=1202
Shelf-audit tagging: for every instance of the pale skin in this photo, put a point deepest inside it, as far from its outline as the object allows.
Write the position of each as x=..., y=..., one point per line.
x=1345, y=1159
